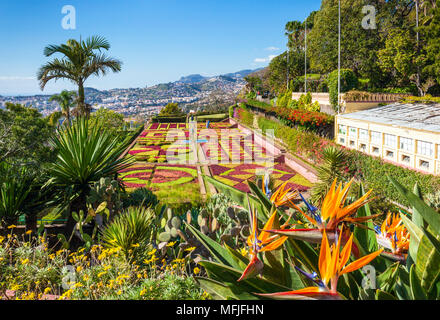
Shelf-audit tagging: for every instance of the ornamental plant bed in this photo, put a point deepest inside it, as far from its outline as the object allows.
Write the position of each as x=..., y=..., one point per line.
x=136, y=176
x=236, y=175
x=173, y=175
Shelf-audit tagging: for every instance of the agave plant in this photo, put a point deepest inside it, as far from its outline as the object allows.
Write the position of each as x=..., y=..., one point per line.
x=129, y=230
x=14, y=190
x=85, y=155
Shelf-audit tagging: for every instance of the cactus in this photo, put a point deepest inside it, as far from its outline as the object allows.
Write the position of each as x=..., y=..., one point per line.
x=105, y=190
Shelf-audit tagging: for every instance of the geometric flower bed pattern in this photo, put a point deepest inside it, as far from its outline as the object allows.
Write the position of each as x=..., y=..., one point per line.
x=153, y=170
x=157, y=176
x=136, y=176
x=168, y=176
x=236, y=175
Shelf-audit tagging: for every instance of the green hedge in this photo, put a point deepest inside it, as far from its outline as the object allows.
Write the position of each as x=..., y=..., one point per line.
x=172, y=119
x=301, y=142
x=246, y=116
x=212, y=117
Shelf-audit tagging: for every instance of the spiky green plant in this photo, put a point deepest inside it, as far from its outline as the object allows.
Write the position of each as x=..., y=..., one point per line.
x=130, y=230
x=331, y=168
x=14, y=190
x=85, y=155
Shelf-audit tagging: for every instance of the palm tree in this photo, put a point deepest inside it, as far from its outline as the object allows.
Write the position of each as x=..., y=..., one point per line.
x=85, y=155
x=65, y=100
x=80, y=60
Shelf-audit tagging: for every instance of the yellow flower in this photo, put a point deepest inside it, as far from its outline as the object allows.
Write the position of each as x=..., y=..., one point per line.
x=136, y=245
x=119, y=292
x=25, y=261
x=29, y=232
x=143, y=292
x=152, y=252
x=101, y=274
x=12, y=226
x=196, y=270
x=190, y=249
x=170, y=244
x=79, y=269
x=47, y=290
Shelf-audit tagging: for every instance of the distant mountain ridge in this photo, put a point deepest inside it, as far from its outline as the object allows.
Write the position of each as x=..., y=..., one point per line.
x=195, y=78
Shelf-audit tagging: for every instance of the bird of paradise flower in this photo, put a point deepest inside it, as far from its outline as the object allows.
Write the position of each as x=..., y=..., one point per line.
x=393, y=235
x=260, y=242
x=332, y=264
x=333, y=212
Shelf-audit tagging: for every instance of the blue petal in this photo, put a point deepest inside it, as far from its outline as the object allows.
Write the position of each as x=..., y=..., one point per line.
x=309, y=206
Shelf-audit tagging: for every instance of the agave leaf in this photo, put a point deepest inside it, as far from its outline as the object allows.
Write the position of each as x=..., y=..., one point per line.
x=308, y=235
x=217, y=251
x=434, y=241
x=259, y=194
x=429, y=215
x=304, y=252
x=239, y=197
x=416, y=235
x=417, y=291
x=306, y=296
x=382, y=295
x=366, y=236
x=226, y=274
x=216, y=289
x=416, y=217
x=427, y=266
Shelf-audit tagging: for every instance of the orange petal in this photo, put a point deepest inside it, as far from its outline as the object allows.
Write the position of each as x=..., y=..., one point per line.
x=361, y=262
x=345, y=254
x=254, y=268
x=274, y=244
x=325, y=258
x=306, y=293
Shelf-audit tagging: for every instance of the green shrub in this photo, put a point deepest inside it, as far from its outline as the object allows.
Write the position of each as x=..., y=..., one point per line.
x=374, y=172
x=246, y=116
x=231, y=111
x=141, y=197
x=349, y=81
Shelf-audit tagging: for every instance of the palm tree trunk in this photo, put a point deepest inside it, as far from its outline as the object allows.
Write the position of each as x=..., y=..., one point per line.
x=68, y=115
x=31, y=222
x=81, y=98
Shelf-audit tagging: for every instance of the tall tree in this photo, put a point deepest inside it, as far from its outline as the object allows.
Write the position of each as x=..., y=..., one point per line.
x=431, y=30
x=80, y=60
x=65, y=100
x=24, y=134
x=358, y=45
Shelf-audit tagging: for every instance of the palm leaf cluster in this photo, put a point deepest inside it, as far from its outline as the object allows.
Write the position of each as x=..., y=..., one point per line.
x=80, y=60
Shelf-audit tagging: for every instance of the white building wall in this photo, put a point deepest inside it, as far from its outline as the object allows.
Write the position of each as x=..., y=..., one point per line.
x=408, y=158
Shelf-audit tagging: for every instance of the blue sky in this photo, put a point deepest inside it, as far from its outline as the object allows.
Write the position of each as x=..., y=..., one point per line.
x=157, y=40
